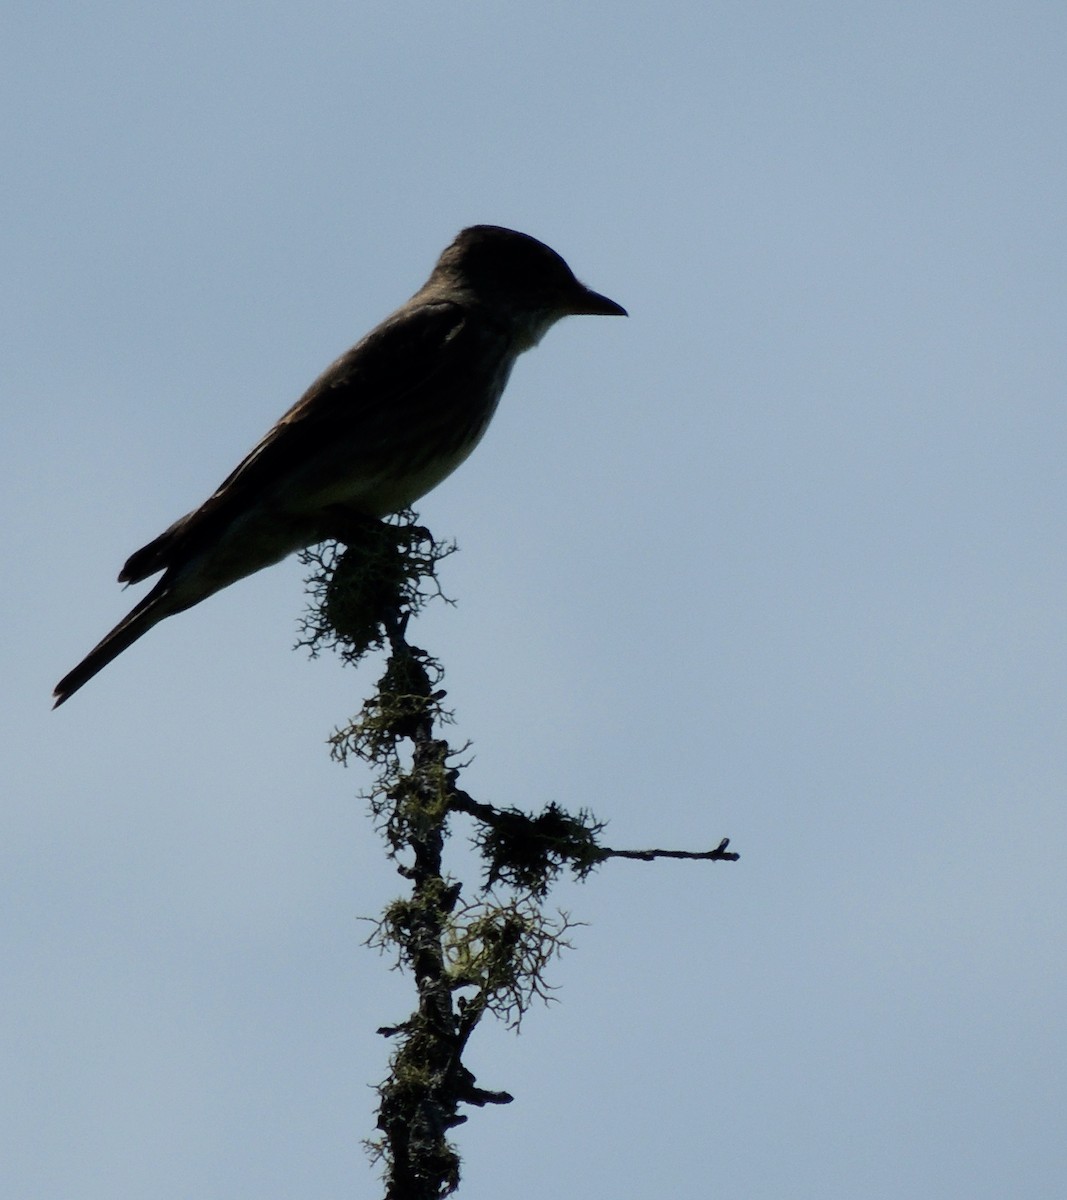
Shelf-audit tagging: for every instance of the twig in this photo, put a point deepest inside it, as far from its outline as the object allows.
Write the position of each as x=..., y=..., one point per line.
x=719, y=854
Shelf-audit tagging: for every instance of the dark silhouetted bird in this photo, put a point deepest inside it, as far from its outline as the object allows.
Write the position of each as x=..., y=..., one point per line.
x=378, y=429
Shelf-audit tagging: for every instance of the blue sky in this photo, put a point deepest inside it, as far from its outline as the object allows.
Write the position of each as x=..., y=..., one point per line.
x=781, y=558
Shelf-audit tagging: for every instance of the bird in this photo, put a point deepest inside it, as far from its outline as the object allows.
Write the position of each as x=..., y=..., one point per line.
x=380, y=427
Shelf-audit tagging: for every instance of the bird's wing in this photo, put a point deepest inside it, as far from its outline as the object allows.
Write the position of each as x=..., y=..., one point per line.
x=353, y=414
x=364, y=391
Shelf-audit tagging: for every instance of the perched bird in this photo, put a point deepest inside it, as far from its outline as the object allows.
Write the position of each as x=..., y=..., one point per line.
x=378, y=429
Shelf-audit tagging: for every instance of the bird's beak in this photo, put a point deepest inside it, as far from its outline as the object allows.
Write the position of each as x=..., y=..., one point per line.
x=587, y=303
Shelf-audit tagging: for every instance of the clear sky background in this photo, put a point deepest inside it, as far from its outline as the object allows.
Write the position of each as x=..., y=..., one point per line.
x=781, y=558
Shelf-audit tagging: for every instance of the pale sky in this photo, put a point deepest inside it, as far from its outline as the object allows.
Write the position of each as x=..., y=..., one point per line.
x=779, y=558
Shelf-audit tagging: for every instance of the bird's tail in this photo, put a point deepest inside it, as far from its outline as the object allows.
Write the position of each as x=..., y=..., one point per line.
x=150, y=611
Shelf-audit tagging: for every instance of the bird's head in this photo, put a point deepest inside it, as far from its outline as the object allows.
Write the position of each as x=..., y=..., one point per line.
x=521, y=278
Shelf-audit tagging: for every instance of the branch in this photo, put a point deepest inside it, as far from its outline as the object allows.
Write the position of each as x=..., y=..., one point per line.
x=719, y=854
x=467, y=958
x=529, y=850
